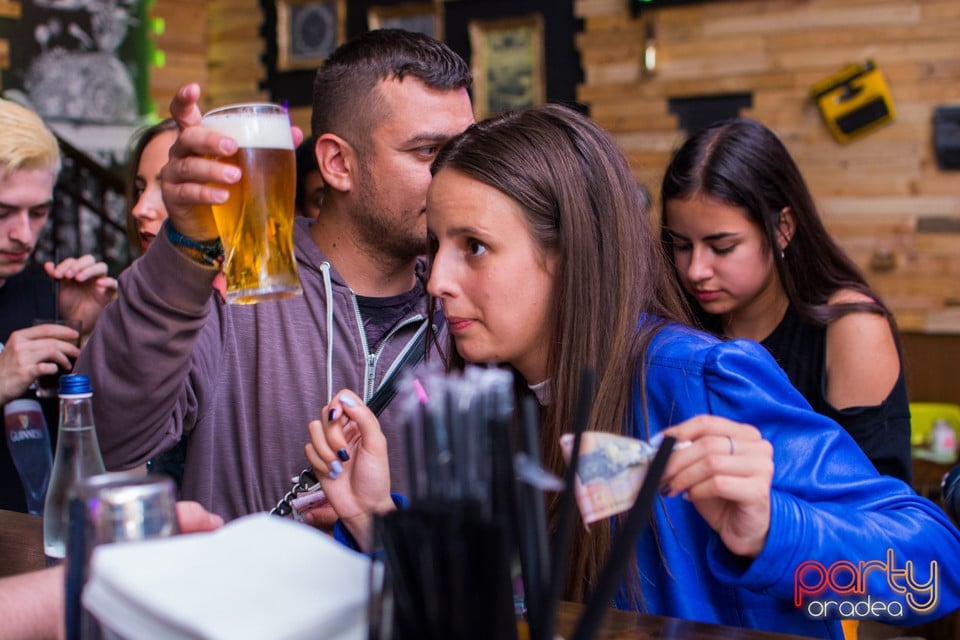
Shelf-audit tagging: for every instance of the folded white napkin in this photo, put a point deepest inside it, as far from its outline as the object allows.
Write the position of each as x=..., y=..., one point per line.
x=258, y=577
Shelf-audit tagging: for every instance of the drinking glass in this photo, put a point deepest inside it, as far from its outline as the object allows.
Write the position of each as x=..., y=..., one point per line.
x=48, y=385
x=28, y=440
x=256, y=221
x=106, y=508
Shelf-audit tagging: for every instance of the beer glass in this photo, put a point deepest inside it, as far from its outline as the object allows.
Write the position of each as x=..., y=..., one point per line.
x=256, y=221
x=28, y=441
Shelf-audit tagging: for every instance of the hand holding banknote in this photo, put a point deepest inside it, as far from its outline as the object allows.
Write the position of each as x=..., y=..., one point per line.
x=610, y=471
x=723, y=467
x=726, y=473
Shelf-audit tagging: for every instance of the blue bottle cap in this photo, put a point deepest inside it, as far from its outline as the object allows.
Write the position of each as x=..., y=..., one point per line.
x=74, y=383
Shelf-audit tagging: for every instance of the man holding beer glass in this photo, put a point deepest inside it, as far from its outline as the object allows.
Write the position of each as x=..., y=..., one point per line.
x=241, y=381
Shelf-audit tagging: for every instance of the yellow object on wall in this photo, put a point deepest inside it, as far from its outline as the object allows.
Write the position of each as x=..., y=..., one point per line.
x=924, y=414
x=853, y=101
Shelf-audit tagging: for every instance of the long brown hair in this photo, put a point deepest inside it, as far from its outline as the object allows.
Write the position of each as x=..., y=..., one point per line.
x=743, y=164
x=582, y=203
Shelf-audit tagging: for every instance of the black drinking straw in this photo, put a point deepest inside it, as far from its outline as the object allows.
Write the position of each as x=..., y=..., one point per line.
x=432, y=418
x=56, y=286
x=76, y=572
x=611, y=575
x=403, y=570
x=565, y=511
x=380, y=605
x=535, y=546
x=416, y=422
x=413, y=475
x=447, y=448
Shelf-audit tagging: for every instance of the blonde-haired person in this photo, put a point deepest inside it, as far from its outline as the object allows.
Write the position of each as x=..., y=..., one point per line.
x=26, y=143
x=29, y=165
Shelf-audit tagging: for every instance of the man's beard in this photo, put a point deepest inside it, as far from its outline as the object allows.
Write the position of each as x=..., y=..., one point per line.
x=390, y=235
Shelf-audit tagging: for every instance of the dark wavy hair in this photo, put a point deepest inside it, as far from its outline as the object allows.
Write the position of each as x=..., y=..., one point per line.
x=743, y=164
x=306, y=161
x=344, y=99
x=581, y=202
x=139, y=141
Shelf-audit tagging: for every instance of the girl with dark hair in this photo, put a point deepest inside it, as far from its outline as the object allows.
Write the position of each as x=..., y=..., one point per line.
x=544, y=261
x=145, y=208
x=756, y=262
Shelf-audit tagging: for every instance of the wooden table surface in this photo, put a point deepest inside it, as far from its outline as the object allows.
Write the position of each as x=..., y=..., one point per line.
x=21, y=543
x=21, y=549
x=624, y=625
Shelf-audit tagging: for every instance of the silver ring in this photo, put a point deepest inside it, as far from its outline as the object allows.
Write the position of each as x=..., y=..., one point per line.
x=730, y=438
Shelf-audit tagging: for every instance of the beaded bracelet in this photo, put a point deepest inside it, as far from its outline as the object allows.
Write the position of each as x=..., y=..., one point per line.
x=209, y=254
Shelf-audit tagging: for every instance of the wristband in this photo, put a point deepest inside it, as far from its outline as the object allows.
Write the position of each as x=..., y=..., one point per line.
x=209, y=254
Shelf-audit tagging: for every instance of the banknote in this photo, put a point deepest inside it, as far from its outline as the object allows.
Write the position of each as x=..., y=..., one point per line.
x=610, y=471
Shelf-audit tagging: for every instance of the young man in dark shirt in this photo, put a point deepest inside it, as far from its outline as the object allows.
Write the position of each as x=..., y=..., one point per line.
x=29, y=164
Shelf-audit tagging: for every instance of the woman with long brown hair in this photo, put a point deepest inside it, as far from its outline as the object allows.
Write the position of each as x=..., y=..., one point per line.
x=544, y=261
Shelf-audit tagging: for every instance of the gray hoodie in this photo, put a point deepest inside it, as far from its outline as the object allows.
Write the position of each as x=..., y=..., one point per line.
x=169, y=358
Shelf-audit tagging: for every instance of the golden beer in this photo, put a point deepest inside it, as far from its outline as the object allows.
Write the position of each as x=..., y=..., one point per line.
x=256, y=221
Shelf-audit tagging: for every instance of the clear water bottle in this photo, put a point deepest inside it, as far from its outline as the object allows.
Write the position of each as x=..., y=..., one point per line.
x=77, y=456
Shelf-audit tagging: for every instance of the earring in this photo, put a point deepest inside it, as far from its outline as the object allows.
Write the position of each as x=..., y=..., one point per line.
x=783, y=253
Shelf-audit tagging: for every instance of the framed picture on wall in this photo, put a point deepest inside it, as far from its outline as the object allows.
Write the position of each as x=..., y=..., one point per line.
x=422, y=17
x=507, y=63
x=308, y=31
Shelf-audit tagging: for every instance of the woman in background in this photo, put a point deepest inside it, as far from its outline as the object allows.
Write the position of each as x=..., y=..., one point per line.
x=544, y=261
x=145, y=209
x=145, y=215
x=756, y=262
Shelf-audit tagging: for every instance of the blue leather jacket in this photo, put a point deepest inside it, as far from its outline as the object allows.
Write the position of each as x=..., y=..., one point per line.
x=833, y=517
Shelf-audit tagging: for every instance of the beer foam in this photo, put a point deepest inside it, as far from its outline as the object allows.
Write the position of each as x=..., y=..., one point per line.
x=265, y=131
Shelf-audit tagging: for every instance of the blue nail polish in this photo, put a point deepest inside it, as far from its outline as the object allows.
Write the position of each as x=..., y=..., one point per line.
x=332, y=415
x=347, y=401
x=343, y=454
x=333, y=475
x=336, y=467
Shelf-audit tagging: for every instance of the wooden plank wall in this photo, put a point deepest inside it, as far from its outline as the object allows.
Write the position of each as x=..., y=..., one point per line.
x=234, y=49
x=930, y=364
x=8, y=9
x=214, y=42
x=184, y=46
x=871, y=192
